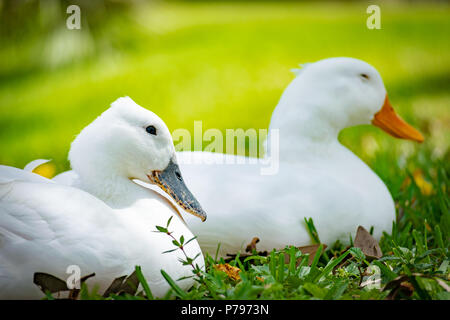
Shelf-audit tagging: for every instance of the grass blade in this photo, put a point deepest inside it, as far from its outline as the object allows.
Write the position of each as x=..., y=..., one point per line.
x=178, y=291
x=144, y=283
x=331, y=265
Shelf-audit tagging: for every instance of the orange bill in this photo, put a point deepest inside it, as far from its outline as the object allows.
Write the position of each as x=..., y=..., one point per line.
x=389, y=121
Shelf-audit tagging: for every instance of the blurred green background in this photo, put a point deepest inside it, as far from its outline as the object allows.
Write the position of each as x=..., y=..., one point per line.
x=225, y=63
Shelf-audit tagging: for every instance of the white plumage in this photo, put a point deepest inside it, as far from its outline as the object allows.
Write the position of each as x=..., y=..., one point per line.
x=46, y=226
x=318, y=177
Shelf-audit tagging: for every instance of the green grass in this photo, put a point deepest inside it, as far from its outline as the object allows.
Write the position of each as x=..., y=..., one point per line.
x=227, y=65
x=415, y=262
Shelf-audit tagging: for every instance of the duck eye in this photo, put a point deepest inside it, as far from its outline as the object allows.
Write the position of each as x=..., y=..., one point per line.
x=151, y=130
x=365, y=76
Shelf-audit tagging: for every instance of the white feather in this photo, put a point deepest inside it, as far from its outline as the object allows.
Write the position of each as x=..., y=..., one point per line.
x=46, y=226
x=318, y=177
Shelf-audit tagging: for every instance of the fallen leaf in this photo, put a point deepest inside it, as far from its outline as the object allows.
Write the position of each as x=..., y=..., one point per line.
x=368, y=244
x=130, y=285
x=123, y=284
x=232, y=272
x=252, y=245
x=312, y=250
x=114, y=287
x=48, y=283
x=401, y=287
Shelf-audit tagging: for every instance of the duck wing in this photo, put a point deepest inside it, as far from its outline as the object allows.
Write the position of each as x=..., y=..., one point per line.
x=47, y=227
x=67, y=178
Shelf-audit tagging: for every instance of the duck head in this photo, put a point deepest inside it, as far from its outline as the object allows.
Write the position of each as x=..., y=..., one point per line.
x=128, y=142
x=332, y=94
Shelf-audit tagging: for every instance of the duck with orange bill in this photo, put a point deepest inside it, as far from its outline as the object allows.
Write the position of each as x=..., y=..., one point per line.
x=317, y=177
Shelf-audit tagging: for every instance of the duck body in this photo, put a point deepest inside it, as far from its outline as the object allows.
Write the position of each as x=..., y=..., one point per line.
x=317, y=177
x=46, y=226
x=338, y=193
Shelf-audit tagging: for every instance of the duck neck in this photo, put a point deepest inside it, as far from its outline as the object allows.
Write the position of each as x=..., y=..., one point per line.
x=117, y=191
x=303, y=130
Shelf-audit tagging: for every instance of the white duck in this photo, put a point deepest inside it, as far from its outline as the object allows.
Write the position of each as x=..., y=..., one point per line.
x=317, y=178
x=46, y=227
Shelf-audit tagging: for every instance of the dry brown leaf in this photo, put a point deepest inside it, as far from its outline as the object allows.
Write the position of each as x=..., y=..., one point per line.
x=130, y=285
x=312, y=250
x=232, y=272
x=48, y=283
x=368, y=244
x=251, y=249
x=114, y=287
x=252, y=245
x=399, y=286
x=404, y=288
x=122, y=285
